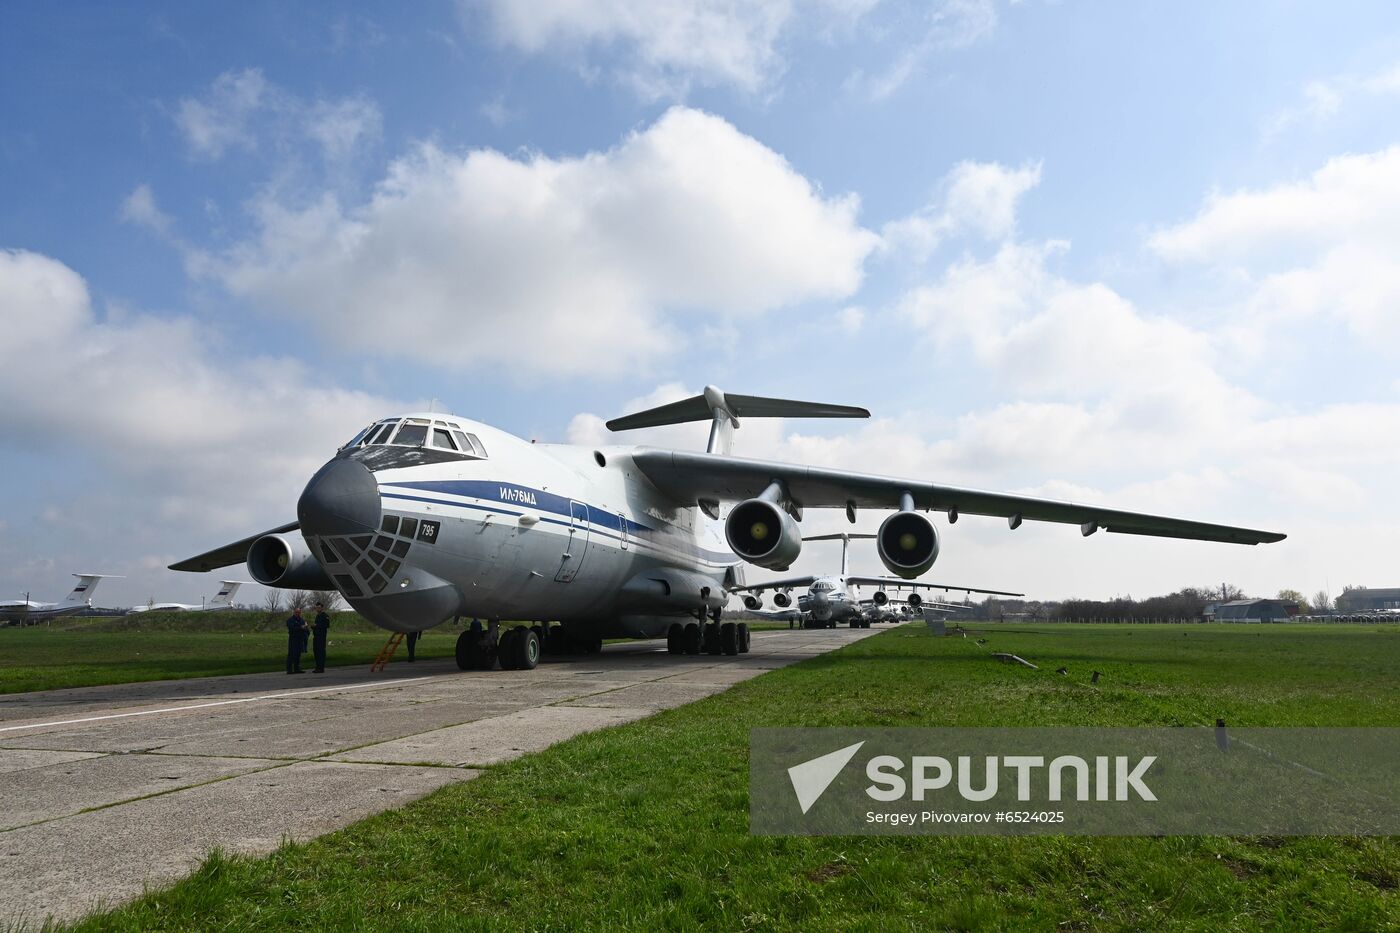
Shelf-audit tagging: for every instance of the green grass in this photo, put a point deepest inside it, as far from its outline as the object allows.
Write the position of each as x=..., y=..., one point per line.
x=645, y=826
x=163, y=646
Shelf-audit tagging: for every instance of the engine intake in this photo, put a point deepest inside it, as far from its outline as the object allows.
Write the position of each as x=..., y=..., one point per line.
x=915, y=600
x=782, y=600
x=880, y=597
x=763, y=534
x=753, y=602
x=907, y=543
x=285, y=562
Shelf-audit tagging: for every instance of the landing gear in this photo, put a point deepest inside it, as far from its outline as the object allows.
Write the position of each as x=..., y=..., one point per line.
x=691, y=639
x=476, y=650
x=744, y=638
x=520, y=650
x=675, y=639
x=728, y=638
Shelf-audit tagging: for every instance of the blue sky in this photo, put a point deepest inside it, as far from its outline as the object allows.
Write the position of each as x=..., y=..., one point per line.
x=1129, y=253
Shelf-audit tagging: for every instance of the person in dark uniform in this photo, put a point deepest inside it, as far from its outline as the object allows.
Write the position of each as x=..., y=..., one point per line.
x=412, y=643
x=296, y=641
x=319, y=627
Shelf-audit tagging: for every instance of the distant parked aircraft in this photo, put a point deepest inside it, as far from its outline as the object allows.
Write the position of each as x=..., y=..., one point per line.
x=221, y=600
x=26, y=611
x=832, y=598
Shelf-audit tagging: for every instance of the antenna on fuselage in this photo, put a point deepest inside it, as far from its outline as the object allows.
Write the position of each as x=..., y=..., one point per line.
x=723, y=411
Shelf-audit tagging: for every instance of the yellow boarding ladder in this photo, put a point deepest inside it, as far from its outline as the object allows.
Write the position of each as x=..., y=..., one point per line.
x=387, y=652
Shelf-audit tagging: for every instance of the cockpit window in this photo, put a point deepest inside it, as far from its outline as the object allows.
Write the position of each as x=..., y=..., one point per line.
x=359, y=437
x=421, y=432
x=413, y=433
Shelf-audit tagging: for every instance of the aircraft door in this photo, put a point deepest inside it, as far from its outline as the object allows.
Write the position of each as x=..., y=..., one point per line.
x=577, y=544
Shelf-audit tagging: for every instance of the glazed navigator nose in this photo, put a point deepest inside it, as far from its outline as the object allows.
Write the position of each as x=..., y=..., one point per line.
x=341, y=499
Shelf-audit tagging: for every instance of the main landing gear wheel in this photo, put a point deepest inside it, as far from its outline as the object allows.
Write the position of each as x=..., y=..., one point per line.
x=690, y=639
x=729, y=638
x=474, y=653
x=711, y=638
x=675, y=639
x=744, y=637
x=520, y=650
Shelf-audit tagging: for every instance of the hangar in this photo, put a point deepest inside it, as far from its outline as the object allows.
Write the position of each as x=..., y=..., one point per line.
x=1364, y=599
x=1252, y=610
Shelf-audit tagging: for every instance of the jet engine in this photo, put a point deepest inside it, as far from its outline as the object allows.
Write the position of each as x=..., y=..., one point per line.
x=753, y=602
x=285, y=561
x=907, y=543
x=782, y=600
x=763, y=534
x=880, y=598
x=915, y=600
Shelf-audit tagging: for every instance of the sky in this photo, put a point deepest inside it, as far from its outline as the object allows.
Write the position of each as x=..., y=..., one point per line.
x=1130, y=254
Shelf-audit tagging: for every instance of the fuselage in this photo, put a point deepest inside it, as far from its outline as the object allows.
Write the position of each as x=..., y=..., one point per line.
x=497, y=527
x=22, y=610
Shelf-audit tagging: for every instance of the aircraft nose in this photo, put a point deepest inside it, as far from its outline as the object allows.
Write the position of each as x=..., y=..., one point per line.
x=341, y=499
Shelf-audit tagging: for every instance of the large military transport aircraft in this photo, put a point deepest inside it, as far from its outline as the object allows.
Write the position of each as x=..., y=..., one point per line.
x=223, y=599
x=25, y=611
x=422, y=518
x=833, y=598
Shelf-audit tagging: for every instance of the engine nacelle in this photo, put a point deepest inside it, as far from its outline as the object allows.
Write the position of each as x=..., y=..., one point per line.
x=915, y=600
x=763, y=534
x=284, y=561
x=880, y=598
x=907, y=543
x=753, y=602
x=782, y=600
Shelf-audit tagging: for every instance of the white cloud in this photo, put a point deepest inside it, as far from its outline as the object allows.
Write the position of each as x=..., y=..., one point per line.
x=974, y=197
x=664, y=45
x=550, y=265
x=1321, y=246
x=342, y=127
x=244, y=110
x=851, y=319
x=221, y=118
x=185, y=445
x=1324, y=98
x=944, y=26
x=140, y=208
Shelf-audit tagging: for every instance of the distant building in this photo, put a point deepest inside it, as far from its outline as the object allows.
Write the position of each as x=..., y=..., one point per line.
x=1369, y=600
x=1252, y=610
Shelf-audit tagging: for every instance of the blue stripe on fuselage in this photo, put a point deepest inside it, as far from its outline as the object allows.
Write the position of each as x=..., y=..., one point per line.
x=537, y=499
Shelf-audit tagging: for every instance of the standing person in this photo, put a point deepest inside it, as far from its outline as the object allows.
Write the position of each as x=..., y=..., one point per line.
x=296, y=641
x=319, y=627
x=412, y=643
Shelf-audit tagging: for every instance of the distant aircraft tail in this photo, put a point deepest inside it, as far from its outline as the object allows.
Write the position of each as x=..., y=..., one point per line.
x=224, y=598
x=82, y=593
x=723, y=412
x=845, y=538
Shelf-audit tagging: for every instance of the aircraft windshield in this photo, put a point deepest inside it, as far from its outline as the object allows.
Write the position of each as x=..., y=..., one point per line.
x=421, y=432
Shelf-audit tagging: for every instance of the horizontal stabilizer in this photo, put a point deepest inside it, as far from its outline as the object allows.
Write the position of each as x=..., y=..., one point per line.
x=840, y=536
x=703, y=407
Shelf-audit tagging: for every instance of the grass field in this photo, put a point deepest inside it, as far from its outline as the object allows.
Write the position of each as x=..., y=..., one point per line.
x=168, y=645
x=173, y=645
x=645, y=826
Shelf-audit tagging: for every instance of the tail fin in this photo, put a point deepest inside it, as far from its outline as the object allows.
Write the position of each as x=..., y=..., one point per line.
x=82, y=593
x=846, y=538
x=723, y=411
x=224, y=598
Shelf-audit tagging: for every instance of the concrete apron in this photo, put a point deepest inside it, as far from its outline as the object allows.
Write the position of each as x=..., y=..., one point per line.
x=108, y=791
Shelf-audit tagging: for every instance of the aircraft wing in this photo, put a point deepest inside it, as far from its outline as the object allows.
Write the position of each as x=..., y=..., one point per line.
x=786, y=583
x=897, y=582
x=229, y=554
x=688, y=477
